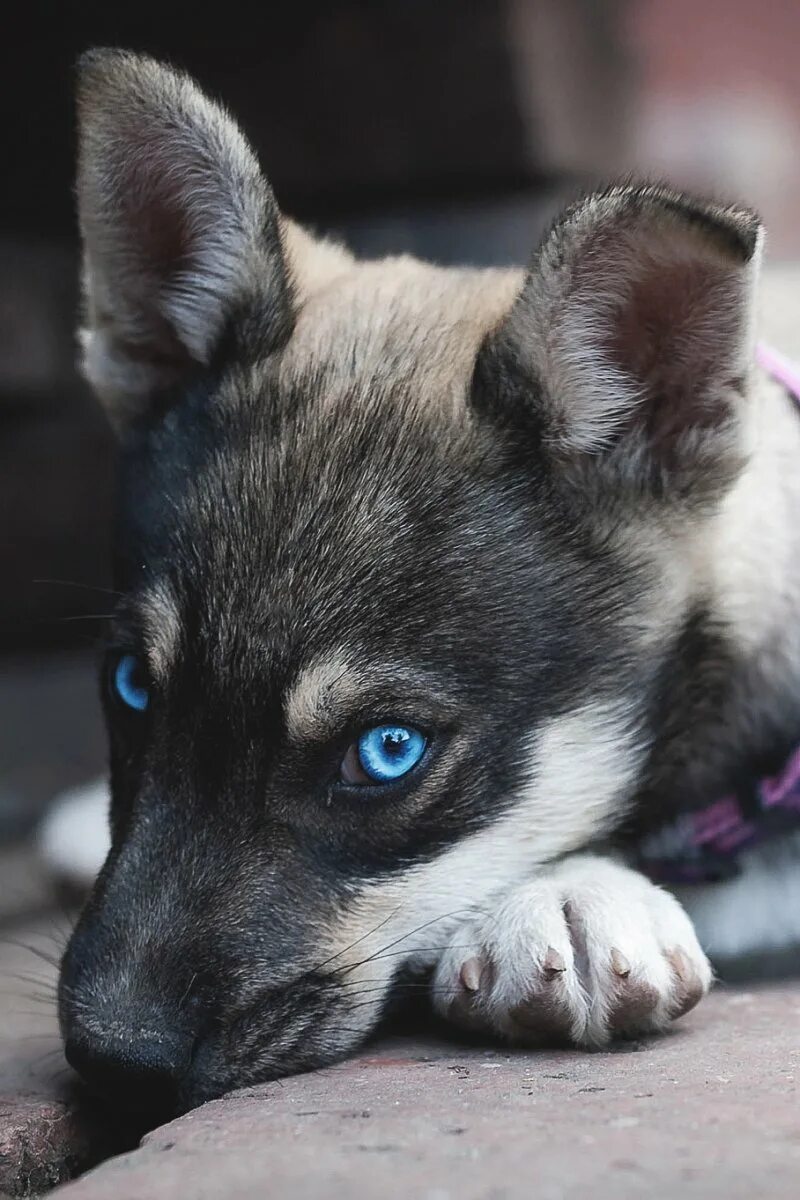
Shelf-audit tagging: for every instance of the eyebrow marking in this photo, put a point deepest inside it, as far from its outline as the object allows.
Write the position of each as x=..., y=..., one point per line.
x=333, y=682
x=161, y=627
x=319, y=689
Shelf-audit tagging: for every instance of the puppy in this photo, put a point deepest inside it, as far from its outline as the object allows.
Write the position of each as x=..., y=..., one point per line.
x=449, y=599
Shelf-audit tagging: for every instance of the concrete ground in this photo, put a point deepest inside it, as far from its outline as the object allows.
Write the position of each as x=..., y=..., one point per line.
x=710, y=1111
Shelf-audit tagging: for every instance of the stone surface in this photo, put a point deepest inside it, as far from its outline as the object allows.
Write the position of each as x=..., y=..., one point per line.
x=43, y=1142
x=710, y=1111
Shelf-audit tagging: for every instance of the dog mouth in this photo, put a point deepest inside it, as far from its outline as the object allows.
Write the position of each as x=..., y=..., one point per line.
x=302, y=1029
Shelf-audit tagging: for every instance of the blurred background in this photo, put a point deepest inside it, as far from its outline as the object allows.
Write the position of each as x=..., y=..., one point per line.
x=450, y=128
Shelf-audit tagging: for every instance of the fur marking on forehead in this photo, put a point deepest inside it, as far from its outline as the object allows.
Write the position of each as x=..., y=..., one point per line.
x=318, y=698
x=318, y=688
x=378, y=324
x=161, y=626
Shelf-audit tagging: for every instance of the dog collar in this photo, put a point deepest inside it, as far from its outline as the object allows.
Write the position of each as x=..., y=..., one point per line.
x=705, y=846
x=780, y=368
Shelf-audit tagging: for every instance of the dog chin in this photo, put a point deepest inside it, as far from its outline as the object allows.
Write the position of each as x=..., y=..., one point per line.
x=212, y=1076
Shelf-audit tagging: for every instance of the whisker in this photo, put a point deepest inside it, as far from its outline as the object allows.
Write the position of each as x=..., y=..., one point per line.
x=396, y=953
x=371, y=1003
x=26, y=1012
x=35, y=976
x=76, y=617
x=64, y=1073
x=38, y=1062
x=185, y=995
x=35, y=950
x=401, y=953
x=46, y=1003
x=42, y=987
x=38, y=981
x=412, y=989
x=380, y=953
x=369, y=933
x=60, y=937
x=73, y=583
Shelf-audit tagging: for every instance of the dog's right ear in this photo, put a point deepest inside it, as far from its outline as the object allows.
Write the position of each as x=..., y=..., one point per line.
x=181, y=234
x=628, y=353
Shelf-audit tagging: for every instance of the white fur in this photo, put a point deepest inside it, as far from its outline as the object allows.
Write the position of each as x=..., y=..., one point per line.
x=582, y=769
x=757, y=911
x=585, y=909
x=74, y=837
x=751, y=543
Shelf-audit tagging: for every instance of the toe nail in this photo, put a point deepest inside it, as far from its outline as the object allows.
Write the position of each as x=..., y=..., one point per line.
x=680, y=964
x=470, y=974
x=619, y=964
x=553, y=962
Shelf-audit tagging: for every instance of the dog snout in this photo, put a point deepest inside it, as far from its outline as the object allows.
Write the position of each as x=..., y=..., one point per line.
x=131, y=1021
x=140, y=1068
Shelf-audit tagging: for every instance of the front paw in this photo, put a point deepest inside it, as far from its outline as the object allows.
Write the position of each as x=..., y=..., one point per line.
x=587, y=952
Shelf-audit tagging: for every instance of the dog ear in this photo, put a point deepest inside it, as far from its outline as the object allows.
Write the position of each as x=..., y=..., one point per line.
x=181, y=233
x=631, y=341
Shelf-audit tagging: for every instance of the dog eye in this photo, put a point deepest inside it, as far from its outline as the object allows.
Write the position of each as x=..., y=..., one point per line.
x=130, y=682
x=383, y=754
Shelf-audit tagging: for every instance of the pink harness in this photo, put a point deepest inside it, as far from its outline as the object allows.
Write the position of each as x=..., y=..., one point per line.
x=704, y=846
x=780, y=368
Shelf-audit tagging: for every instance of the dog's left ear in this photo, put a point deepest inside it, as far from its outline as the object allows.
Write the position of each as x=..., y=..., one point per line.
x=181, y=233
x=631, y=341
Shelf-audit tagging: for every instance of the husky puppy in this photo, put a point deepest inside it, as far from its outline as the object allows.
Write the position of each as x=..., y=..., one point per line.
x=445, y=594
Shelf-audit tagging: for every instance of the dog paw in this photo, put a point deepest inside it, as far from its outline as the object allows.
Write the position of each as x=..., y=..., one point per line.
x=587, y=952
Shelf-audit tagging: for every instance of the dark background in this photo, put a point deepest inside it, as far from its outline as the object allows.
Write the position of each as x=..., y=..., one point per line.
x=374, y=119
x=450, y=128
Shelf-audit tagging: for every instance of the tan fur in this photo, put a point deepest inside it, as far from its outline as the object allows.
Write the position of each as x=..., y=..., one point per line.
x=329, y=688
x=314, y=262
x=161, y=627
x=741, y=559
x=311, y=702
x=735, y=559
x=395, y=317
x=751, y=541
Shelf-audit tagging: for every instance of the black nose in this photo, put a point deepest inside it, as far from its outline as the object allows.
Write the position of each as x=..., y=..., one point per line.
x=140, y=1070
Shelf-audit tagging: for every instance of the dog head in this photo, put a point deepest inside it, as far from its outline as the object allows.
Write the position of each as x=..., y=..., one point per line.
x=400, y=551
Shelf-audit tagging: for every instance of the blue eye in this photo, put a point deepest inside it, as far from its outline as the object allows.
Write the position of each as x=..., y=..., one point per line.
x=130, y=683
x=383, y=754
